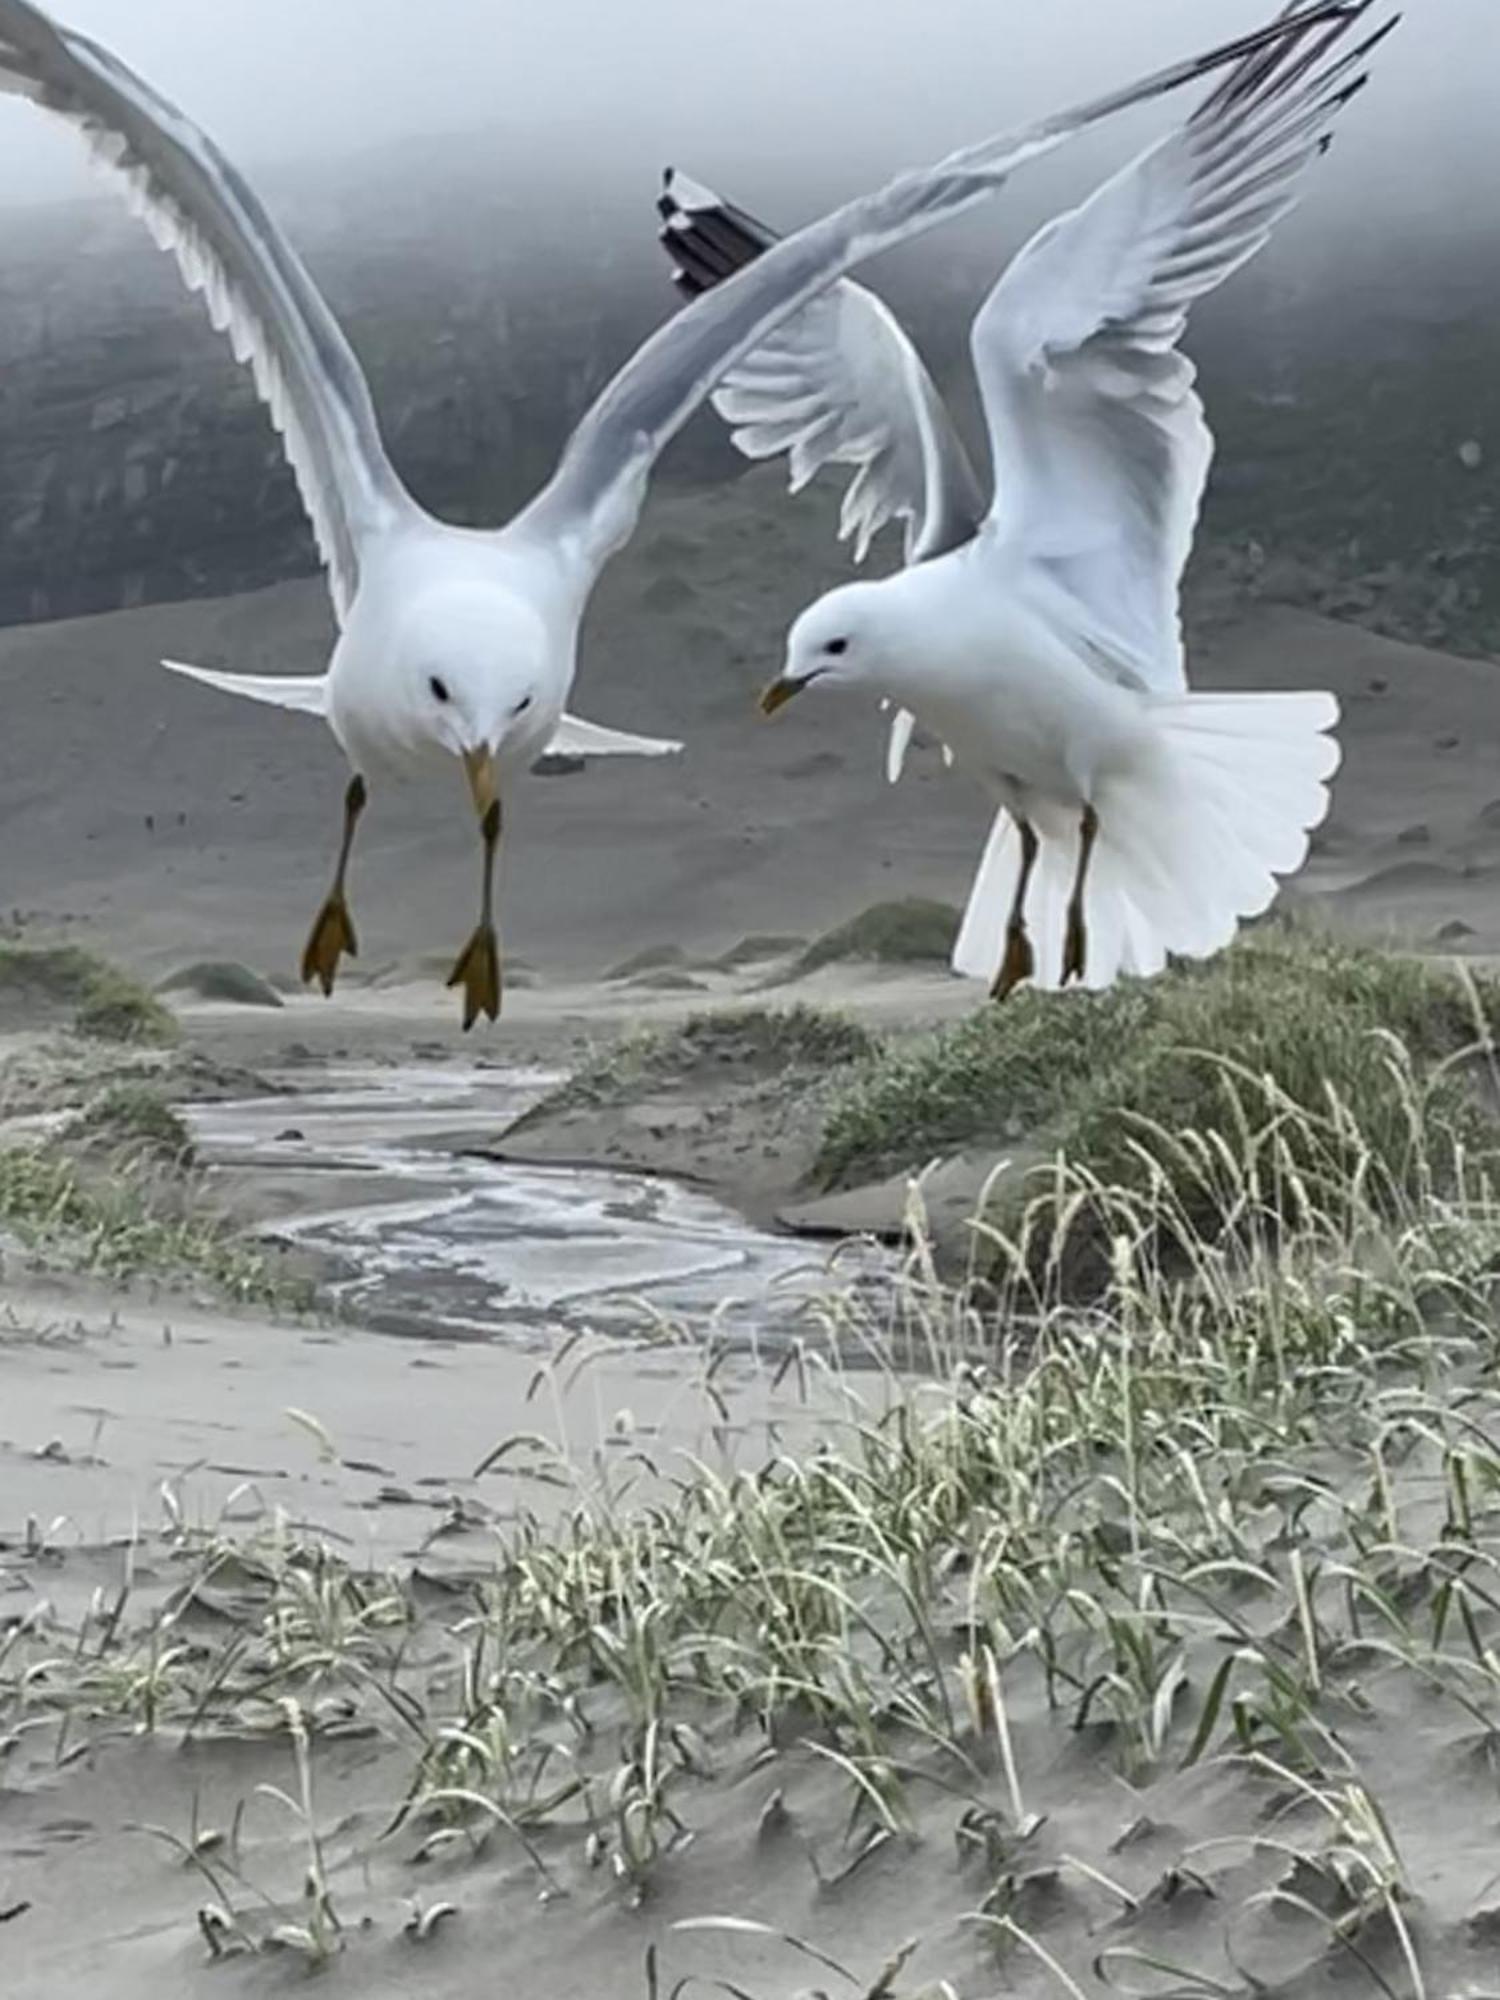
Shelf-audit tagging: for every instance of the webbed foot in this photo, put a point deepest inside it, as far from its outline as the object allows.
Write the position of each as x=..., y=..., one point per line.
x=477, y=971
x=1018, y=964
x=332, y=936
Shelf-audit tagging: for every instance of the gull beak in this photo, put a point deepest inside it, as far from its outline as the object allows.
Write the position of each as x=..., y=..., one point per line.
x=779, y=693
x=480, y=767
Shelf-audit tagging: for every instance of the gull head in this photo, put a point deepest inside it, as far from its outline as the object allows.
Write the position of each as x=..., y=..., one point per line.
x=474, y=684
x=837, y=642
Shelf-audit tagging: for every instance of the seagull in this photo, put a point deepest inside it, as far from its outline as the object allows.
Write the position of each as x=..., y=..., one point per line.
x=1039, y=637
x=459, y=643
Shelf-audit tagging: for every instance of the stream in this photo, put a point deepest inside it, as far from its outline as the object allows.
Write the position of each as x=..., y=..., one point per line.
x=426, y=1237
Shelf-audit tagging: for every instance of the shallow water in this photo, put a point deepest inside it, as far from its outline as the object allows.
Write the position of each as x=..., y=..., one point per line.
x=445, y=1241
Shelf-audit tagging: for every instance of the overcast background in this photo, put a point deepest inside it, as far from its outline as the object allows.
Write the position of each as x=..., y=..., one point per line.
x=471, y=182
x=836, y=90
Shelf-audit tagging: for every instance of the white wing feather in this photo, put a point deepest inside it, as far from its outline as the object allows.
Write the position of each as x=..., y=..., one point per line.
x=305, y=692
x=576, y=738
x=1097, y=434
x=255, y=288
x=840, y=383
x=590, y=507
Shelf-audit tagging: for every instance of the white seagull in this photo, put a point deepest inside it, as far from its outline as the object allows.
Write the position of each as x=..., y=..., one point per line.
x=457, y=642
x=1039, y=639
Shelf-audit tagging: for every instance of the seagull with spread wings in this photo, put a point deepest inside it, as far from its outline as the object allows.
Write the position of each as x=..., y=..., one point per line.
x=1039, y=637
x=457, y=643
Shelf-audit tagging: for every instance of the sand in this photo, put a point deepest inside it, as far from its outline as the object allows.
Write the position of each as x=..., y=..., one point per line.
x=127, y=1422
x=120, y=1419
x=154, y=821
x=176, y=825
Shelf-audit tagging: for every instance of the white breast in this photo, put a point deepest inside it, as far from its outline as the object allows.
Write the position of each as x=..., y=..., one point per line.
x=993, y=674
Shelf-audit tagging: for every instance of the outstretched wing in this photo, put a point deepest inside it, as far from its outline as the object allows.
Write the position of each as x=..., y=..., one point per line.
x=1097, y=434
x=255, y=287
x=838, y=384
x=574, y=737
x=591, y=505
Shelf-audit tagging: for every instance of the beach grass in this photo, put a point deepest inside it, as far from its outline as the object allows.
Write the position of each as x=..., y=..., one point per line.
x=134, y=1115
x=135, y=1212
x=798, y=1043
x=914, y=930
x=1226, y=1525
x=1287, y=1013
x=64, y=985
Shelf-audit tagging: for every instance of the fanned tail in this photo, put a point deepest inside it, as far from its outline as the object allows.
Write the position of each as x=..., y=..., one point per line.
x=1192, y=840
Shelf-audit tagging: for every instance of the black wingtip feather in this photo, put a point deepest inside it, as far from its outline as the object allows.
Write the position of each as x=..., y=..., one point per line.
x=1274, y=66
x=1374, y=41
x=709, y=241
x=1269, y=74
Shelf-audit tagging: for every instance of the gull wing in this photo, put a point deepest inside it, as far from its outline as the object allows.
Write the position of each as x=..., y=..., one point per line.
x=590, y=507
x=840, y=383
x=1097, y=434
x=253, y=283
x=576, y=738
x=306, y=692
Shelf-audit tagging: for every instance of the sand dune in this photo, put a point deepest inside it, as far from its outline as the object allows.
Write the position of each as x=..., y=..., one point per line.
x=178, y=825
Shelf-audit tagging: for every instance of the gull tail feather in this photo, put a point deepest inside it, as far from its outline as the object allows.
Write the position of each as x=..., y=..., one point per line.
x=1192, y=840
x=577, y=738
x=308, y=692
x=903, y=722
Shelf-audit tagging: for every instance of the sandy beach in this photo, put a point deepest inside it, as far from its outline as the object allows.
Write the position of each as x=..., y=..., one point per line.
x=613, y=1285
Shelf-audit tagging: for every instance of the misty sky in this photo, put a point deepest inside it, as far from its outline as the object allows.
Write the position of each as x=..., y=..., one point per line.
x=846, y=90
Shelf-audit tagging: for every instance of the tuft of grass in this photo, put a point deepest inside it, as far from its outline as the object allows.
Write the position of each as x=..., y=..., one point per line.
x=128, y=1224
x=104, y=1002
x=1249, y=1523
x=135, y=1116
x=912, y=931
x=223, y=979
x=1090, y=1075
x=790, y=1042
x=774, y=1037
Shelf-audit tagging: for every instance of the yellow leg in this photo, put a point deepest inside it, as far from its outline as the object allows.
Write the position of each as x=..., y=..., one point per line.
x=478, y=968
x=332, y=933
x=1075, y=951
x=1019, y=962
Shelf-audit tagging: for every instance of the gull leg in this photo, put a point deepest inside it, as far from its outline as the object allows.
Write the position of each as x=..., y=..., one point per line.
x=478, y=968
x=332, y=933
x=1019, y=962
x=1075, y=951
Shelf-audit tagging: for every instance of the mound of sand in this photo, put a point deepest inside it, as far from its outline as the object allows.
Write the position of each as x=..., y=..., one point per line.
x=224, y=980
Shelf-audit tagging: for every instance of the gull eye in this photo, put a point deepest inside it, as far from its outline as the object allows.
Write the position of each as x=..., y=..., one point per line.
x=522, y=705
x=836, y=646
x=439, y=687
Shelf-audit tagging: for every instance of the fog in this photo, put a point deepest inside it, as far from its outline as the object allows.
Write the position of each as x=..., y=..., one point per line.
x=816, y=96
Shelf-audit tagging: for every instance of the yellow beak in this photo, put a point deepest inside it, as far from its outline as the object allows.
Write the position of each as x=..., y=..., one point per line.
x=480, y=766
x=779, y=693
